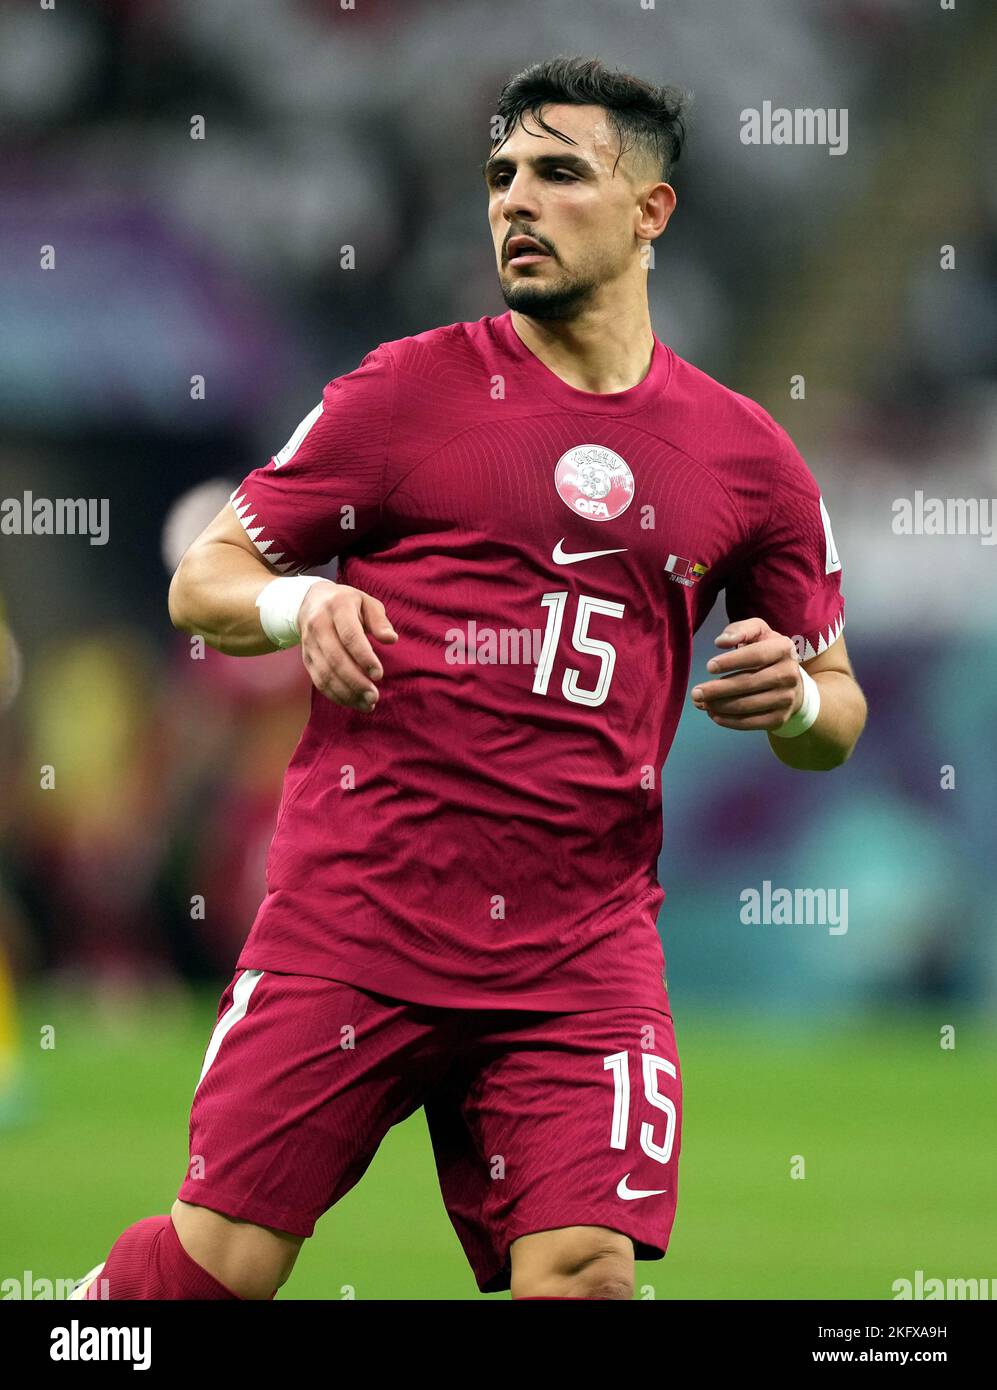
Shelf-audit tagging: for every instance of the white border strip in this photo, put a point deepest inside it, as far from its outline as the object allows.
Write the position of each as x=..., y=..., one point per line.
x=241, y=996
x=296, y=440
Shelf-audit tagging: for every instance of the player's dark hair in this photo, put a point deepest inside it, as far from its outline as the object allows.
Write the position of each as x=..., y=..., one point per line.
x=652, y=119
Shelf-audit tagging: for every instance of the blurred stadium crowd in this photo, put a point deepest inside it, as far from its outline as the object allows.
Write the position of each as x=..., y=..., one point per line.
x=328, y=128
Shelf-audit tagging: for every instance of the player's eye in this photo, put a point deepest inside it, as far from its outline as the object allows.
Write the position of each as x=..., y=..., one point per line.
x=561, y=175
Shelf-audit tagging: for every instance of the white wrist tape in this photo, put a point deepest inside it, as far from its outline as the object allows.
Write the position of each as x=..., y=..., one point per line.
x=806, y=714
x=279, y=603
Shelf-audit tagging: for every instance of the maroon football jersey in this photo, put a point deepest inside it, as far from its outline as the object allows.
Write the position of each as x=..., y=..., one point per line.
x=489, y=835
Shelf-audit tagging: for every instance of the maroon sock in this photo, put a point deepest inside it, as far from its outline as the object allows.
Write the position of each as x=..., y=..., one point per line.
x=549, y=1297
x=148, y=1262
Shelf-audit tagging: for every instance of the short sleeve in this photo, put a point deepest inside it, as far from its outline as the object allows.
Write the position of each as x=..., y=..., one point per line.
x=325, y=487
x=791, y=574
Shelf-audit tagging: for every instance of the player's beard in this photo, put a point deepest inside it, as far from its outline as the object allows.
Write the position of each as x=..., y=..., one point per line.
x=563, y=298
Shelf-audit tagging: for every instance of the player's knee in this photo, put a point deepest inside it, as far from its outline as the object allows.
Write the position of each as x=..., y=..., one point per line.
x=603, y=1274
x=251, y=1261
x=580, y=1262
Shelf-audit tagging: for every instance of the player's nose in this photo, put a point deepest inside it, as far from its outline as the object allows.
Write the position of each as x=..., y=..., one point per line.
x=519, y=200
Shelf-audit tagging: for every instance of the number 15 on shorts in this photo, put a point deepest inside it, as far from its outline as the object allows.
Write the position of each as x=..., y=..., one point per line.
x=652, y=1068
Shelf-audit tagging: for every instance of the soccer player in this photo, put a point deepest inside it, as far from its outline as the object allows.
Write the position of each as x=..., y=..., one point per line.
x=533, y=513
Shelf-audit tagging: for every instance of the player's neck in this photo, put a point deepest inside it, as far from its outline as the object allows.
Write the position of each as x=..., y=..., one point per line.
x=598, y=352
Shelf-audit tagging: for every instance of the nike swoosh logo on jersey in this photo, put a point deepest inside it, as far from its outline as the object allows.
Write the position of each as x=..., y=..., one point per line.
x=630, y=1194
x=561, y=558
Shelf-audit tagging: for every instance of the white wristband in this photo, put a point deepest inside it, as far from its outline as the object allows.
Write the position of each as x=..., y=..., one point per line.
x=806, y=714
x=279, y=603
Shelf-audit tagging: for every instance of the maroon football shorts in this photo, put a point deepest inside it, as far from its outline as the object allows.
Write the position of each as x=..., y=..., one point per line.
x=537, y=1120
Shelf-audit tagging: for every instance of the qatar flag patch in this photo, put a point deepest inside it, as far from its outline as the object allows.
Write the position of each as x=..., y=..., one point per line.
x=684, y=571
x=594, y=482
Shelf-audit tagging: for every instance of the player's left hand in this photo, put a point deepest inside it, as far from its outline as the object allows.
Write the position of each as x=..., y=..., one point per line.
x=768, y=689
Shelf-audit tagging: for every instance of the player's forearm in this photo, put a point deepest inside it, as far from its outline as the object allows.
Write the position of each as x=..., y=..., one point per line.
x=213, y=594
x=830, y=739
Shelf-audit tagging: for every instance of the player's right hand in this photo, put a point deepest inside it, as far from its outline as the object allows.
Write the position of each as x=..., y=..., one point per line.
x=334, y=621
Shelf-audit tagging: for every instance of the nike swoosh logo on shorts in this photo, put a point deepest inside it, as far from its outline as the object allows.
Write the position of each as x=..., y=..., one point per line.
x=561, y=558
x=630, y=1194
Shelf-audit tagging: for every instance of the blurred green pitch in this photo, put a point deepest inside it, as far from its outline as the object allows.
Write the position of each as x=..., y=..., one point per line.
x=899, y=1138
